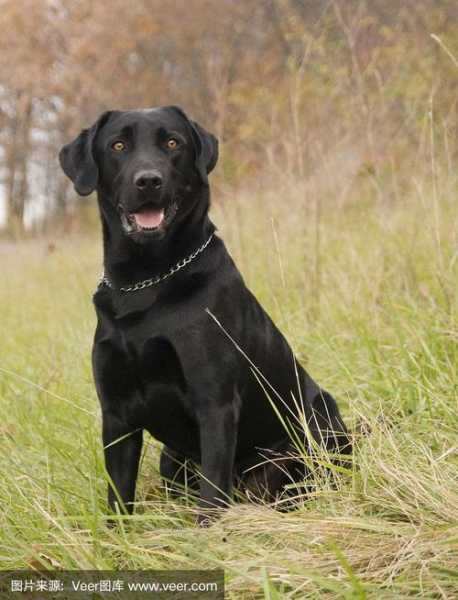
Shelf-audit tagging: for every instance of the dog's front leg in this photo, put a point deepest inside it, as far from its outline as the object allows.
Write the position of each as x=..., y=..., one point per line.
x=218, y=436
x=122, y=448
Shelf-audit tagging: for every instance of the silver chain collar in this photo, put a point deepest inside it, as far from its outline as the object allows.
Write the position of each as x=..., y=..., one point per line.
x=146, y=283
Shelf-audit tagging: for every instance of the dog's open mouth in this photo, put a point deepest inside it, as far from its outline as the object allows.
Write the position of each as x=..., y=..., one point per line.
x=148, y=219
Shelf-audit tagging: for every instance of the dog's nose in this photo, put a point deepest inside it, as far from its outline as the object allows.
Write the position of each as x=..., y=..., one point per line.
x=148, y=180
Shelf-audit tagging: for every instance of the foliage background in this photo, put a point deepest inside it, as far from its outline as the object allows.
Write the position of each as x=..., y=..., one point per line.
x=336, y=90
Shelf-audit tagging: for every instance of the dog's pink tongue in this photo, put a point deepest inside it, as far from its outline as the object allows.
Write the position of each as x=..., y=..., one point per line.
x=149, y=218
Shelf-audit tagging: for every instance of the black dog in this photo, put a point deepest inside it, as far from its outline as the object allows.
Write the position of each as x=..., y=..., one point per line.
x=161, y=361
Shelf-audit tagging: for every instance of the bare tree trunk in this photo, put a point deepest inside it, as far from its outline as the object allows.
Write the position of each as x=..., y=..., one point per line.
x=17, y=162
x=10, y=164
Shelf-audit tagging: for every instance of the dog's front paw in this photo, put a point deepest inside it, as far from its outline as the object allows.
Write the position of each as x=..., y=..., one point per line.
x=205, y=520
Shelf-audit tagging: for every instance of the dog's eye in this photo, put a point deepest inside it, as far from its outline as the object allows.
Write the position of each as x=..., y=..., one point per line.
x=172, y=144
x=118, y=146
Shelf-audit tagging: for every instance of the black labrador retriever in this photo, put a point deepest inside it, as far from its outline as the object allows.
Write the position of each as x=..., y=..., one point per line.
x=182, y=348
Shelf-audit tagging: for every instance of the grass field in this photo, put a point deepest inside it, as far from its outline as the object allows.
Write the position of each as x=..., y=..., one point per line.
x=366, y=294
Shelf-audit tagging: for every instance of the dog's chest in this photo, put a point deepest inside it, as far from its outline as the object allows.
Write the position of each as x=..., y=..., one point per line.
x=156, y=363
x=161, y=402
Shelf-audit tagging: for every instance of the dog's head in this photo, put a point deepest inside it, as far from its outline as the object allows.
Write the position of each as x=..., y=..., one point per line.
x=148, y=165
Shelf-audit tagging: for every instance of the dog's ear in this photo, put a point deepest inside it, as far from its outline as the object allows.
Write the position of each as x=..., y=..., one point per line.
x=77, y=158
x=205, y=145
x=207, y=156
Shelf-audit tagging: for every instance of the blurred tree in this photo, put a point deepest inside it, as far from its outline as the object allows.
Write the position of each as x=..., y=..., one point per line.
x=284, y=83
x=26, y=57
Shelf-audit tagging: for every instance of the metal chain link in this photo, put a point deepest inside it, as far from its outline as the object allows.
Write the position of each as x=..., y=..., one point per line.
x=146, y=283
